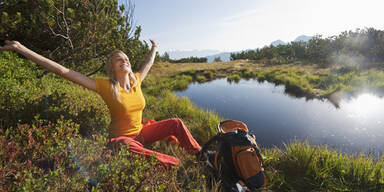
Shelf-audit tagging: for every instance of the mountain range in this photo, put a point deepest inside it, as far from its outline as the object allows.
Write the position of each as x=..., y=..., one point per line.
x=303, y=38
x=211, y=54
x=177, y=54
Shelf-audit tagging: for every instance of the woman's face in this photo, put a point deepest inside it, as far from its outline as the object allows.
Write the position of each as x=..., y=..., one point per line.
x=121, y=64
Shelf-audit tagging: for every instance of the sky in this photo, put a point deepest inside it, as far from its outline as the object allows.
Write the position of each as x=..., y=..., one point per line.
x=234, y=25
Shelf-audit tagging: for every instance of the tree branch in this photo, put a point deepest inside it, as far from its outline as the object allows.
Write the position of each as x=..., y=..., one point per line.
x=98, y=69
x=67, y=29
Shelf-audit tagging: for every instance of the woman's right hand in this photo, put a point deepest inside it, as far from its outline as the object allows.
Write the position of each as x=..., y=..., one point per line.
x=50, y=65
x=10, y=46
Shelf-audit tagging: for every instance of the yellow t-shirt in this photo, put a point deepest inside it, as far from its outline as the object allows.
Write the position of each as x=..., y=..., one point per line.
x=125, y=115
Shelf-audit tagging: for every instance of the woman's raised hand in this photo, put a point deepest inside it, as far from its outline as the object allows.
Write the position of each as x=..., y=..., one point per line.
x=154, y=44
x=10, y=46
x=50, y=65
x=149, y=61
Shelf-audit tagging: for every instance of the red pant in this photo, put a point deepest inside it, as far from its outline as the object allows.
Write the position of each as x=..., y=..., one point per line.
x=156, y=131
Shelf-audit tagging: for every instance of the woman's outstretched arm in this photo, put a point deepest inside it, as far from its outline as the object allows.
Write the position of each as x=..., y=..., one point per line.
x=149, y=61
x=50, y=65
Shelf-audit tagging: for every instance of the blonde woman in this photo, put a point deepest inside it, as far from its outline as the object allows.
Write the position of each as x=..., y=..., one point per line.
x=124, y=98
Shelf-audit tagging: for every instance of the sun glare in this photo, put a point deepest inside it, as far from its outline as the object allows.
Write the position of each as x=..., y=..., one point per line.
x=363, y=106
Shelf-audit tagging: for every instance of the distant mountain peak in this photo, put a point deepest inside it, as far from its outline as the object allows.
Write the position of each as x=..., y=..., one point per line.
x=278, y=42
x=178, y=54
x=224, y=56
x=303, y=38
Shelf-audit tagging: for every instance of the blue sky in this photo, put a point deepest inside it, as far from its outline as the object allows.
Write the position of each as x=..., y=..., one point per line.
x=233, y=25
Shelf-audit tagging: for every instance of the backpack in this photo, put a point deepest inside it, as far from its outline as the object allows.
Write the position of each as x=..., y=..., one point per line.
x=237, y=160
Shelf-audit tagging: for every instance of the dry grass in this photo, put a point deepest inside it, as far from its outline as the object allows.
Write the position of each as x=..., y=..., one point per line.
x=170, y=69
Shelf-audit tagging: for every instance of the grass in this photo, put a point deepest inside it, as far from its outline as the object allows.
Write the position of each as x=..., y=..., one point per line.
x=299, y=80
x=41, y=117
x=302, y=167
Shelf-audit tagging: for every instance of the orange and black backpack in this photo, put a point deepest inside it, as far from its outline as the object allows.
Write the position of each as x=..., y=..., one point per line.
x=237, y=160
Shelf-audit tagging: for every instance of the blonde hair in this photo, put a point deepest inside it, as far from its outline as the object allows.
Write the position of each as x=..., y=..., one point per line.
x=115, y=85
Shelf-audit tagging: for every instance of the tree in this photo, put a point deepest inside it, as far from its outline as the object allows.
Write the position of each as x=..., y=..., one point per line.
x=165, y=57
x=217, y=59
x=362, y=46
x=77, y=34
x=190, y=60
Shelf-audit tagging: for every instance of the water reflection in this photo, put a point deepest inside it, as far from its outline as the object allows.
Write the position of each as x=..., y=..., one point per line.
x=290, y=91
x=357, y=125
x=366, y=94
x=363, y=106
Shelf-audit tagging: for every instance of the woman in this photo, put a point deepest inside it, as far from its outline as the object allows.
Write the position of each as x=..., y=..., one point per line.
x=125, y=101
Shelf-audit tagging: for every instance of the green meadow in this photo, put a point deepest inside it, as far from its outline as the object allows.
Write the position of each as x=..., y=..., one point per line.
x=53, y=133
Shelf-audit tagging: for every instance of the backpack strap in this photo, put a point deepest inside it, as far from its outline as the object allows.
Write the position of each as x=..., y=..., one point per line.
x=258, y=154
x=251, y=139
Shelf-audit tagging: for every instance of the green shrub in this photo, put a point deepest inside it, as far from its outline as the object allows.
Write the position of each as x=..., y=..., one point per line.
x=209, y=75
x=235, y=77
x=201, y=78
x=181, y=82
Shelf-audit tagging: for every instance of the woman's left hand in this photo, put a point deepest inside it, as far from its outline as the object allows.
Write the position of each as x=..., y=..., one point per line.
x=154, y=44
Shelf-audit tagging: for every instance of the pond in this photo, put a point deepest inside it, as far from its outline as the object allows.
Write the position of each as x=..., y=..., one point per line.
x=354, y=124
